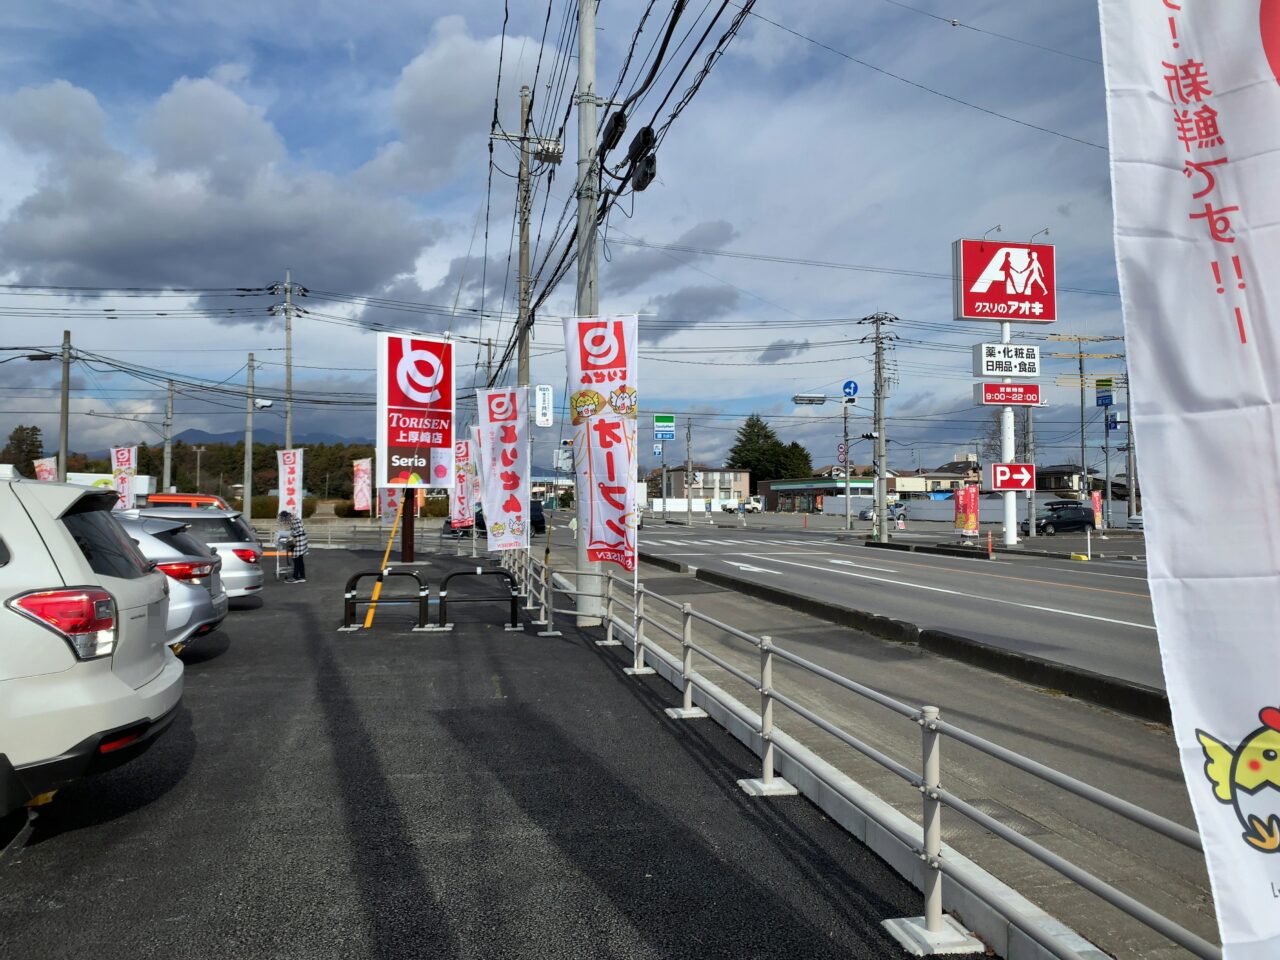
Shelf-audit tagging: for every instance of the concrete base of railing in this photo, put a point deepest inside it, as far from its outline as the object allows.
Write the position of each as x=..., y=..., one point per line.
x=777, y=787
x=914, y=937
x=988, y=907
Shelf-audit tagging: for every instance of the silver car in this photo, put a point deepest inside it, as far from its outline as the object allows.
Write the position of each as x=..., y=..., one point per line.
x=86, y=679
x=197, y=600
x=226, y=532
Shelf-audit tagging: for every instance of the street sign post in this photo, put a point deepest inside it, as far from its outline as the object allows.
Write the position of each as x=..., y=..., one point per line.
x=1005, y=360
x=850, y=389
x=1004, y=281
x=664, y=426
x=1009, y=476
x=1007, y=394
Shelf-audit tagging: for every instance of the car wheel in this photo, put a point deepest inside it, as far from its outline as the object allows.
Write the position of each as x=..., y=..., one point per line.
x=1050, y=529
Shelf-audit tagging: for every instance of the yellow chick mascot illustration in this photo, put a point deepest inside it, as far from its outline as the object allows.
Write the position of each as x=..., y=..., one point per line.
x=1248, y=778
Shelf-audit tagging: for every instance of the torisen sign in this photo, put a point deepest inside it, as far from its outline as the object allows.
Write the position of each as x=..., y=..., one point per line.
x=415, y=412
x=1004, y=281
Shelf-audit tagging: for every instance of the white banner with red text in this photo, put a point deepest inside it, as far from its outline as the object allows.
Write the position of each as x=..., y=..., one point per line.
x=289, y=482
x=461, y=507
x=415, y=411
x=1193, y=101
x=389, y=503
x=362, y=484
x=46, y=468
x=504, y=457
x=603, y=368
x=124, y=467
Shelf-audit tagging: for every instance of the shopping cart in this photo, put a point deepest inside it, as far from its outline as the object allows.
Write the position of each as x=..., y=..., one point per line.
x=284, y=559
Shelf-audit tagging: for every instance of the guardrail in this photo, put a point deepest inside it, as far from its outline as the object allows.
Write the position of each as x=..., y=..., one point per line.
x=927, y=845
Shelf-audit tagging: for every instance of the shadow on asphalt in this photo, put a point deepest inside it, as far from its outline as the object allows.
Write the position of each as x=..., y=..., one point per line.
x=116, y=793
x=206, y=648
x=245, y=603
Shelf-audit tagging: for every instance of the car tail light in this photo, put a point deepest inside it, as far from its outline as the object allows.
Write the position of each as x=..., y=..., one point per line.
x=85, y=618
x=185, y=570
x=248, y=556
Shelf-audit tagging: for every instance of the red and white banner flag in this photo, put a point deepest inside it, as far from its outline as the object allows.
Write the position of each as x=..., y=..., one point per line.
x=289, y=482
x=124, y=467
x=415, y=411
x=966, y=500
x=603, y=366
x=362, y=483
x=1193, y=99
x=461, y=506
x=504, y=455
x=389, y=503
x=46, y=468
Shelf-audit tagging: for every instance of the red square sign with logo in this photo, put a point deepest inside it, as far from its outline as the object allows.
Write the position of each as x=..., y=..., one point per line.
x=502, y=406
x=1004, y=281
x=415, y=411
x=602, y=346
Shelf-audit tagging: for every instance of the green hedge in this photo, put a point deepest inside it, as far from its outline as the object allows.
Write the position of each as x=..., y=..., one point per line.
x=266, y=507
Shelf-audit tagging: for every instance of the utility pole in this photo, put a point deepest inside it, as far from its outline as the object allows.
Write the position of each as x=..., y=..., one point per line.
x=246, y=500
x=688, y=472
x=881, y=524
x=488, y=362
x=1130, y=458
x=589, y=583
x=1031, y=459
x=198, y=451
x=288, y=360
x=664, y=483
x=848, y=467
x=522, y=211
x=1080, y=357
x=64, y=415
x=167, y=477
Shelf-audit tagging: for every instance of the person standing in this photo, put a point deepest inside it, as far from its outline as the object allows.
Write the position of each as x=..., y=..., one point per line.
x=297, y=545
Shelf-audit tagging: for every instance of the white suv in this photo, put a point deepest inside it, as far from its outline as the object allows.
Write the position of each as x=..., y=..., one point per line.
x=86, y=679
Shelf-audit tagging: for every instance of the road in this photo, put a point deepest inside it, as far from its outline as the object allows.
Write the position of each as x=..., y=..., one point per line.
x=1096, y=616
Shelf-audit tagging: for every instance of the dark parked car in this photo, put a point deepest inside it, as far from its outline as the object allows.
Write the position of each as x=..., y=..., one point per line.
x=1062, y=517
x=537, y=520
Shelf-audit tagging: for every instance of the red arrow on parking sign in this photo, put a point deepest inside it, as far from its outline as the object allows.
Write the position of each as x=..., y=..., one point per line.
x=1010, y=476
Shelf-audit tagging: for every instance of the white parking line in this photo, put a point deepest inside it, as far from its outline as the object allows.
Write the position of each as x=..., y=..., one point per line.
x=959, y=593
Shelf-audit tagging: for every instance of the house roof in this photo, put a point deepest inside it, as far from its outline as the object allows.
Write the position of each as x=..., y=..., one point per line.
x=1066, y=468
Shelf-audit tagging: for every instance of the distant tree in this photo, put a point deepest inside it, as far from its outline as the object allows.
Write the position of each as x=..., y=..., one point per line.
x=796, y=461
x=757, y=449
x=992, y=445
x=25, y=445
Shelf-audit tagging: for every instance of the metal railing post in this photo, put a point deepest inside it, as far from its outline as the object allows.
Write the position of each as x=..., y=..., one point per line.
x=686, y=710
x=768, y=785
x=609, y=639
x=637, y=668
x=931, y=754
x=528, y=582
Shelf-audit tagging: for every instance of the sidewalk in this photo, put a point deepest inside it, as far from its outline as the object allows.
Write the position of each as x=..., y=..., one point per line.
x=475, y=794
x=1127, y=757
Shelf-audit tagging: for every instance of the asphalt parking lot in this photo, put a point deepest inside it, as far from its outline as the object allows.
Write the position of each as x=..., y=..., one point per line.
x=473, y=794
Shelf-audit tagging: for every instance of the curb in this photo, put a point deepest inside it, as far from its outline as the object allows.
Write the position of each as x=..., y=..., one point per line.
x=1124, y=696
x=939, y=550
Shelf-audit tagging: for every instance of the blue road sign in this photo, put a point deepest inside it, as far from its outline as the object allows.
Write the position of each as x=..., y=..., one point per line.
x=1113, y=421
x=657, y=449
x=850, y=388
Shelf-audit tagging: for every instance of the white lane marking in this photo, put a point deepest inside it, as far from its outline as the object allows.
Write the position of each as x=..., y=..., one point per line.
x=862, y=566
x=748, y=568
x=961, y=593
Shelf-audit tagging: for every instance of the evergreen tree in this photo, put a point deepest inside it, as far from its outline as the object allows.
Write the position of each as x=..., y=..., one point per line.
x=796, y=461
x=758, y=449
x=25, y=445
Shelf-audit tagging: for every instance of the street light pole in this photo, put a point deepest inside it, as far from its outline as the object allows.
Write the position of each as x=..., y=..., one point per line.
x=64, y=415
x=246, y=499
x=167, y=472
x=848, y=464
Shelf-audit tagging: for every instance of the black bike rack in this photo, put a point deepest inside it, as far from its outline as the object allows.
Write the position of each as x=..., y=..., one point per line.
x=513, y=596
x=351, y=598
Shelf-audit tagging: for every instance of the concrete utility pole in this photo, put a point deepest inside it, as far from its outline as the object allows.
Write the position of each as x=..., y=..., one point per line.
x=1130, y=459
x=1080, y=356
x=1009, y=453
x=198, y=451
x=664, y=483
x=1084, y=464
x=881, y=523
x=848, y=467
x=246, y=499
x=590, y=584
x=1031, y=459
x=64, y=414
x=688, y=472
x=288, y=360
x=166, y=478
x=522, y=212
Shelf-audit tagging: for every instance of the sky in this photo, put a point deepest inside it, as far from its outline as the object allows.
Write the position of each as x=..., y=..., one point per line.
x=199, y=148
